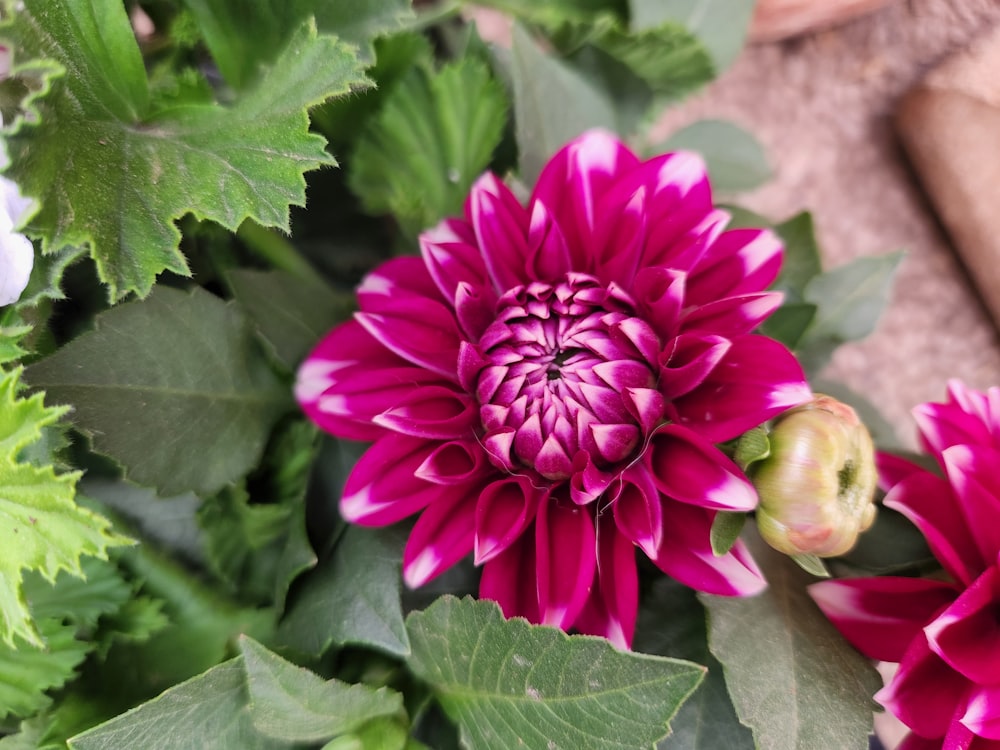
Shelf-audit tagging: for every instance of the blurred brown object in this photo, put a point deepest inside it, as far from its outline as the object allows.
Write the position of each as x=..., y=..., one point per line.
x=950, y=126
x=779, y=19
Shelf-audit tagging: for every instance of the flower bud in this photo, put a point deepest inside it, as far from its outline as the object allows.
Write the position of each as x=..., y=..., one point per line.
x=817, y=486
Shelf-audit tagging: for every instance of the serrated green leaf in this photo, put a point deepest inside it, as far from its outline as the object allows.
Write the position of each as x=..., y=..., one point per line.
x=352, y=597
x=291, y=703
x=225, y=164
x=138, y=620
x=207, y=712
x=46, y=277
x=507, y=683
x=672, y=623
x=432, y=138
x=47, y=531
x=11, y=338
x=736, y=161
x=553, y=104
x=726, y=528
x=849, y=301
x=176, y=364
x=793, y=678
x=721, y=25
x=28, y=671
x=288, y=313
x=81, y=600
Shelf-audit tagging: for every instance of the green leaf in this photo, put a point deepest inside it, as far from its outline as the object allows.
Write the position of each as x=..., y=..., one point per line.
x=849, y=301
x=177, y=364
x=290, y=314
x=672, y=623
x=378, y=734
x=721, y=25
x=81, y=600
x=752, y=446
x=433, y=137
x=220, y=163
x=291, y=703
x=726, y=528
x=27, y=671
x=207, y=712
x=47, y=531
x=811, y=564
x=510, y=684
x=802, y=257
x=553, y=104
x=789, y=323
x=892, y=545
x=352, y=597
x=793, y=678
x=735, y=159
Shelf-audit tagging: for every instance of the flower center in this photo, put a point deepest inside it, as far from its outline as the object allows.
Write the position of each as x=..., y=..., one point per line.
x=555, y=370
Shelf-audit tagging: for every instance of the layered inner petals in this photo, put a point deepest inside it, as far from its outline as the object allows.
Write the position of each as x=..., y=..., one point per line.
x=967, y=634
x=504, y=510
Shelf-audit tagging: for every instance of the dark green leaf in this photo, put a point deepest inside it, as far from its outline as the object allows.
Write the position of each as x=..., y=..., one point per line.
x=290, y=314
x=433, y=137
x=672, y=623
x=179, y=365
x=892, y=545
x=352, y=597
x=721, y=25
x=291, y=703
x=82, y=601
x=793, y=678
x=802, y=258
x=553, y=104
x=726, y=528
x=789, y=322
x=735, y=159
x=220, y=163
x=510, y=684
x=207, y=712
x=28, y=671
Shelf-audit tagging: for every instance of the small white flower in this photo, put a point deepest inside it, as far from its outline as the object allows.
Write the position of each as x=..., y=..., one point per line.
x=16, y=252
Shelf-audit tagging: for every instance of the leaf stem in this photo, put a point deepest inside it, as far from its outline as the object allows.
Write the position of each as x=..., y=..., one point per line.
x=275, y=248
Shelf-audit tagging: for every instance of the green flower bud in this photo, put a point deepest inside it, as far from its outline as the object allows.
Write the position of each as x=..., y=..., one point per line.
x=817, y=486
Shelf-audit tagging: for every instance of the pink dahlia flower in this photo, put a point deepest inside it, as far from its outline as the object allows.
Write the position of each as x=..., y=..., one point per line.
x=545, y=386
x=945, y=634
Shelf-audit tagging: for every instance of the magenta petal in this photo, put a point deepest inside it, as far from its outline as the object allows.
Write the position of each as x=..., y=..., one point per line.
x=688, y=468
x=615, y=442
x=588, y=482
x=928, y=501
x=443, y=534
x=638, y=510
x=613, y=604
x=756, y=380
x=690, y=359
x=419, y=330
x=501, y=226
x=740, y=261
x=510, y=579
x=382, y=488
x=503, y=512
x=454, y=462
x=686, y=554
x=660, y=295
x=982, y=716
x=916, y=742
x=548, y=255
x=733, y=316
x=406, y=276
x=969, y=418
x=678, y=201
x=566, y=553
x=646, y=405
x=967, y=633
x=880, y=616
x=894, y=469
x=432, y=412
x=452, y=258
x=972, y=472
x=681, y=242
x=621, y=237
x=925, y=692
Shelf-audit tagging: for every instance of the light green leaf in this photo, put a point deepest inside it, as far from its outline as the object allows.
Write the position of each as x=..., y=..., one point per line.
x=290, y=314
x=352, y=597
x=220, y=163
x=433, y=137
x=793, y=678
x=752, y=446
x=510, y=684
x=735, y=159
x=672, y=623
x=45, y=530
x=81, y=600
x=177, y=365
x=721, y=25
x=553, y=104
x=811, y=564
x=208, y=712
x=726, y=528
x=291, y=703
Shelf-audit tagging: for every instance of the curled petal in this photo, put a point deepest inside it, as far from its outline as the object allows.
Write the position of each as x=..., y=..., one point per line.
x=689, y=360
x=982, y=715
x=756, y=380
x=638, y=511
x=972, y=472
x=647, y=405
x=613, y=605
x=686, y=554
x=970, y=417
x=509, y=579
x=880, y=616
x=383, y=488
x=740, y=261
x=501, y=227
x=419, y=330
x=504, y=510
x=566, y=558
x=449, y=251
x=659, y=293
x=443, y=534
x=432, y=412
x=688, y=468
x=893, y=469
x=548, y=255
x=454, y=462
x=733, y=316
x=588, y=482
x=965, y=635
